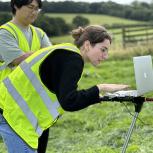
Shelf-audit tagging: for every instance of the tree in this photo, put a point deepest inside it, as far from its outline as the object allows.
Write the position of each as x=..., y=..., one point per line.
x=52, y=26
x=4, y=17
x=80, y=21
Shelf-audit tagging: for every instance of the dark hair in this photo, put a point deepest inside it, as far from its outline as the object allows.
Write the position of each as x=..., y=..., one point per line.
x=94, y=33
x=20, y=3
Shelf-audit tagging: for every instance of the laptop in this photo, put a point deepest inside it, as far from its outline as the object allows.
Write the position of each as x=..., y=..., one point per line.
x=143, y=76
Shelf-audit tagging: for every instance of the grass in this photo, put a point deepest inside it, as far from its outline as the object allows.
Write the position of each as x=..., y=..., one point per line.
x=102, y=128
x=100, y=20
x=95, y=18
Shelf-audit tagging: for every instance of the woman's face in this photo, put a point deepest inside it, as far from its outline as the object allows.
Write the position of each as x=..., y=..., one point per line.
x=97, y=53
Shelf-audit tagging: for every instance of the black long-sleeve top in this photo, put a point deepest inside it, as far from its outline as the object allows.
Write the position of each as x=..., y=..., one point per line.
x=60, y=72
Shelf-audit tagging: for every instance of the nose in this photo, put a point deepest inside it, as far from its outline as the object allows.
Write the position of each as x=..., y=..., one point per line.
x=105, y=55
x=34, y=11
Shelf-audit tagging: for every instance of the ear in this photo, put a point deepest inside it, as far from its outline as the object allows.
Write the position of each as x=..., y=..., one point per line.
x=87, y=45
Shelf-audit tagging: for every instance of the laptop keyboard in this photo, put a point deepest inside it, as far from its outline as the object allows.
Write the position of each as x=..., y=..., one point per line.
x=131, y=93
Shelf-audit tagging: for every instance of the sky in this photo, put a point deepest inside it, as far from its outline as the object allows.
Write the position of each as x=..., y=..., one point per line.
x=117, y=1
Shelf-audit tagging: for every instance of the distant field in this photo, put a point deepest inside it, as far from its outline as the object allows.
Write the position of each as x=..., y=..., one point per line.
x=95, y=18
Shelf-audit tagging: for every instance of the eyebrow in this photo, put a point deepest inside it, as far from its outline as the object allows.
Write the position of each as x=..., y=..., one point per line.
x=104, y=47
x=34, y=5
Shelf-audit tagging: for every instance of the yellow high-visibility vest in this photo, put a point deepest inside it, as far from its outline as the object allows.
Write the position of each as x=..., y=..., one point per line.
x=22, y=42
x=27, y=104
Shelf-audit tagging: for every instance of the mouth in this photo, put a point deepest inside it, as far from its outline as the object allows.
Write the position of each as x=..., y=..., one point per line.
x=32, y=16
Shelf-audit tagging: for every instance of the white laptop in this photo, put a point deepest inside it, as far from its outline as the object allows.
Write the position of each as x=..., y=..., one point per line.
x=143, y=76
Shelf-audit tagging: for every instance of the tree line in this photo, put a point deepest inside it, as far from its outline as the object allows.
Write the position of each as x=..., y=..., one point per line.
x=52, y=26
x=136, y=10
x=58, y=26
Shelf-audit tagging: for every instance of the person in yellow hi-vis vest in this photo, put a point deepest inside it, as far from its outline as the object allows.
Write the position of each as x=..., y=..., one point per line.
x=38, y=91
x=19, y=39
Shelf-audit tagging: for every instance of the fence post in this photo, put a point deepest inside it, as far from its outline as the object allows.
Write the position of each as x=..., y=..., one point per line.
x=147, y=36
x=123, y=37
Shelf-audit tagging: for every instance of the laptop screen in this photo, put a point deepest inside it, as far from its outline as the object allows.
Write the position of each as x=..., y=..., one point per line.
x=143, y=74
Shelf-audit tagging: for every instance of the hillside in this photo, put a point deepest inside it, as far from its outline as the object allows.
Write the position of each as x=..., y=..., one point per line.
x=95, y=18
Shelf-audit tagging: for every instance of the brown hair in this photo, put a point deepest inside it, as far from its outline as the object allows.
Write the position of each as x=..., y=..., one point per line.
x=93, y=33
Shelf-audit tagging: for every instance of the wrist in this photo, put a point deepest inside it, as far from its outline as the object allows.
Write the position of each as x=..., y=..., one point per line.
x=101, y=88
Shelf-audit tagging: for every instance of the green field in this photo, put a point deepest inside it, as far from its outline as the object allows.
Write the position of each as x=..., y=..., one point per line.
x=95, y=19
x=102, y=128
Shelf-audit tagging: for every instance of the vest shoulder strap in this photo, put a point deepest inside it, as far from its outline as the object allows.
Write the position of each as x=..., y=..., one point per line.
x=9, y=29
x=23, y=43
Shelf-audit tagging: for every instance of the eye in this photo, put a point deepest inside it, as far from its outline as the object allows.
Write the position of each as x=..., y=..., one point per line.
x=30, y=7
x=104, y=50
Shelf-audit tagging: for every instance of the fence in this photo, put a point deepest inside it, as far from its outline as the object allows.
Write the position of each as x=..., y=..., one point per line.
x=133, y=34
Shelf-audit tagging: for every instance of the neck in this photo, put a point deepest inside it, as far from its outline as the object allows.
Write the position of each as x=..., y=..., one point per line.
x=18, y=23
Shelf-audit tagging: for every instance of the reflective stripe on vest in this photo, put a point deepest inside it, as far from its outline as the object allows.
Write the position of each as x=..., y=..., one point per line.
x=2, y=67
x=36, y=59
x=23, y=105
x=9, y=29
x=23, y=43
x=52, y=107
x=24, y=100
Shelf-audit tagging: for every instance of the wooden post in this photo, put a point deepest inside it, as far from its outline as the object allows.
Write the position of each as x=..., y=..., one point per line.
x=123, y=37
x=147, y=37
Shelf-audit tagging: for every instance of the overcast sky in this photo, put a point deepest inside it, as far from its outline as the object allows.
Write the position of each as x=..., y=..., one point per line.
x=117, y=1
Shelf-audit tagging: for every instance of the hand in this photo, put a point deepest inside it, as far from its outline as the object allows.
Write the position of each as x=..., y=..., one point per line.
x=112, y=87
x=21, y=58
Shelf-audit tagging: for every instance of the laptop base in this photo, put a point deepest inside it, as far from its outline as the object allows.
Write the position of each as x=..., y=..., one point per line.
x=123, y=93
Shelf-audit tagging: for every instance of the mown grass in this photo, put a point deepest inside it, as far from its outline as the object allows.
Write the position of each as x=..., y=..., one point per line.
x=102, y=128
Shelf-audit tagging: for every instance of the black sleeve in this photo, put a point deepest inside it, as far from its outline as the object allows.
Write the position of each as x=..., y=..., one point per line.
x=64, y=69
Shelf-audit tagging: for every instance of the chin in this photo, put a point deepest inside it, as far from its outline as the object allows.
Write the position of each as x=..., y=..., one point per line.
x=32, y=20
